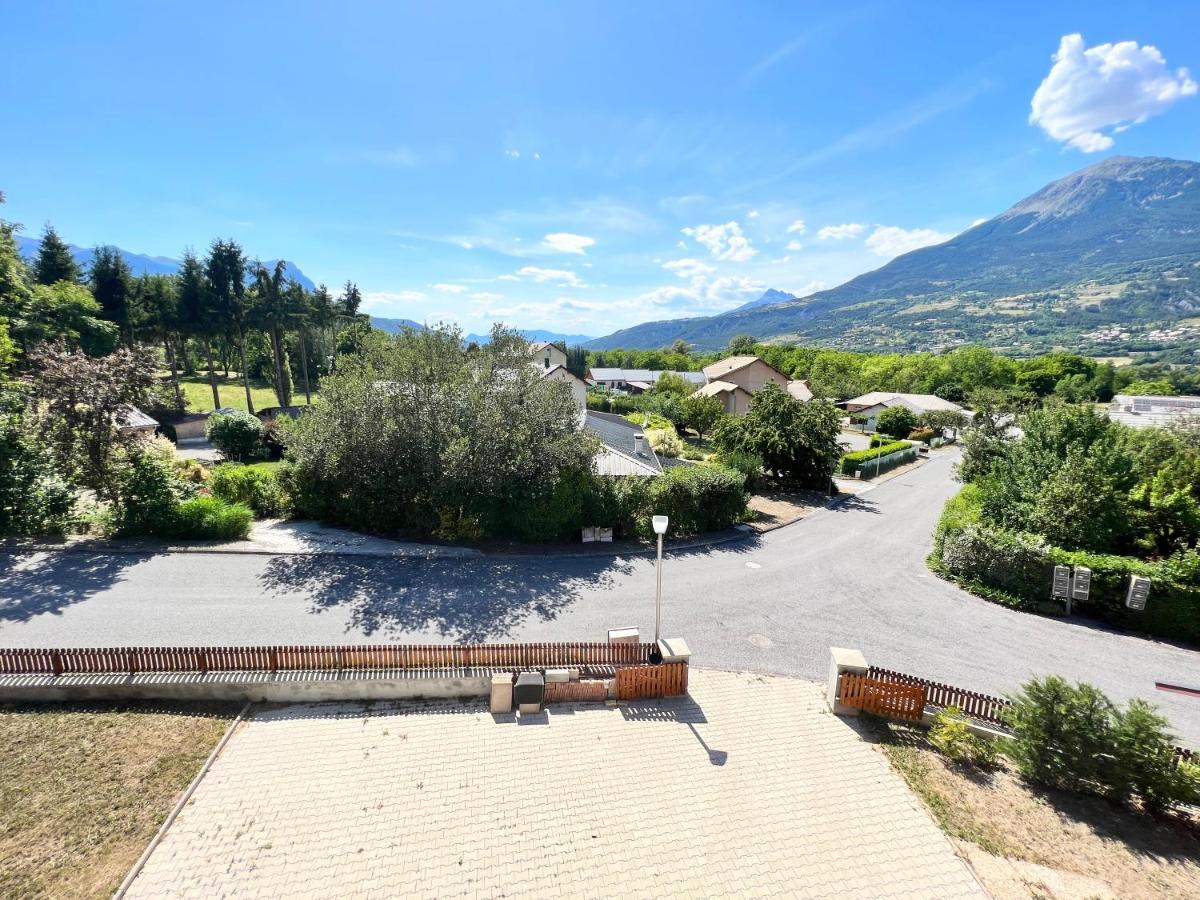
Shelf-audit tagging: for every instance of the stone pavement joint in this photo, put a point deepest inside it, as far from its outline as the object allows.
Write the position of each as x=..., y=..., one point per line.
x=748, y=787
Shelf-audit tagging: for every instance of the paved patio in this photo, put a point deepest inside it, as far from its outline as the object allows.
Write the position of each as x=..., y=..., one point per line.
x=749, y=787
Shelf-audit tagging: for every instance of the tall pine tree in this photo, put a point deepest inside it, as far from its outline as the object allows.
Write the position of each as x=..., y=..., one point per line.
x=112, y=286
x=226, y=268
x=54, y=262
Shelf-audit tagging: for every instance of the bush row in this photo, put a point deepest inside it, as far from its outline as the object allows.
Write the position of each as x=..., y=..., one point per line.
x=854, y=461
x=260, y=489
x=1021, y=567
x=155, y=501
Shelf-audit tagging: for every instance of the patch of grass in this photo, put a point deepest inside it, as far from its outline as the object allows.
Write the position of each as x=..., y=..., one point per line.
x=84, y=787
x=198, y=394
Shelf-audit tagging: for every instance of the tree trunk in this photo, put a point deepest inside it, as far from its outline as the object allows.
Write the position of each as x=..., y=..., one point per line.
x=212, y=375
x=304, y=367
x=245, y=372
x=189, y=368
x=283, y=380
x=174, y=371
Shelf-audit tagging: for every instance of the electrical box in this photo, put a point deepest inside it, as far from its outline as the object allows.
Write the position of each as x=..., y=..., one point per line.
x=1139, y=591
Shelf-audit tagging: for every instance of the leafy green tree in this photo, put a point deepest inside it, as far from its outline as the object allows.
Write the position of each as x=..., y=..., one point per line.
x=701, y=413
x=417, y=435
x=66, y=312
x=1061, y=732
x=112, y=285
x=740, y=345
x=272, y=312
x=54, y=262
x=796, y=441
x=34, y=496
x=835, y=374
x=1167, y=505
x=577, y=363
x=14, y=285
x=670, y=383
x=1159, y=388
x=896, y=421
x=156, y=300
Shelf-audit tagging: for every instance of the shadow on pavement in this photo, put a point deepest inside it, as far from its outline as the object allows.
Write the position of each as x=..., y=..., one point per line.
x=856, y=504
x=681, y=710
x=38, y=583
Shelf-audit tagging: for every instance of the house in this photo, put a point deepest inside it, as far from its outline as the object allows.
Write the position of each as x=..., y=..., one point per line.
x=578, y=386
x=132, y=420
x=735, y=379
x=547, y=355
x=625, y=449
x=1138, y=411
x=869, y=406
x=800, y=390
x=636, y=381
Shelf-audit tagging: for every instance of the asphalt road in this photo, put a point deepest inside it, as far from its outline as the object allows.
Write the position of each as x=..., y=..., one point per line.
x=852, y=576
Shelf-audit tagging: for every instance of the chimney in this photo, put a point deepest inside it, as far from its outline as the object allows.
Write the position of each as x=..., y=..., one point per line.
x=639, y=444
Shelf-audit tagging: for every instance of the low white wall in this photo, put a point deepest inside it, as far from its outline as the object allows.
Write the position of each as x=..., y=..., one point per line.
x=287, y=689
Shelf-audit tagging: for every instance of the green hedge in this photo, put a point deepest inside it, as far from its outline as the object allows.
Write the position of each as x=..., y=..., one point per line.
x=259, y=489
x=899, y=451
x=1018, y=569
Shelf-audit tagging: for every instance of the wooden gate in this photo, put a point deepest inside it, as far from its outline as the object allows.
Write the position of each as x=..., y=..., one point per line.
x=643, y=682
x=883, y=698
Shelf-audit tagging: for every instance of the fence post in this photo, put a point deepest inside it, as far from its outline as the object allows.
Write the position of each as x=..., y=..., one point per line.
x=56, y=662
x=841, y=661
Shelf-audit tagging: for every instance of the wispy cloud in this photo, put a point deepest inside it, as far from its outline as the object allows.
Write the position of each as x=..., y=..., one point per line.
x=841, y=232
x=813, y=34
x=726, y=242
x=449, y=288
x=566, y=242
x=891, y=240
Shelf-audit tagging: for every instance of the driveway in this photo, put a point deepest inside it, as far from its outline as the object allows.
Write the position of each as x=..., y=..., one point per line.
x=850, y=576
x=749, y=787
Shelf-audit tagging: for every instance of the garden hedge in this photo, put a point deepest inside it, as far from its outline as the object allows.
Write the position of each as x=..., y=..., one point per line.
x=854, y=461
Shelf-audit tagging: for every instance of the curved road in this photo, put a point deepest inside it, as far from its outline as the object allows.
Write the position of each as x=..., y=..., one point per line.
x=852, y=576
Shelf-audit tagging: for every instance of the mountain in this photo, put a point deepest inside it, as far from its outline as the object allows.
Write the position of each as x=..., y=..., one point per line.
x=769, y=298
x=1105, y=259
x=395, y=326
x=142, y=264
x=534, y=334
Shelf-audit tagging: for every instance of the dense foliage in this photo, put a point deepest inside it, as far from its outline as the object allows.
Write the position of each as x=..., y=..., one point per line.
x=797, y=442
x=422, y=436
x=261, y=490
x=237, y=434
x=1072, y=736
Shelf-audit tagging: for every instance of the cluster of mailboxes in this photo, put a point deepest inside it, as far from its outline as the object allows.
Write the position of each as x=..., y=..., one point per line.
x=1076, y=585
x=527, y=691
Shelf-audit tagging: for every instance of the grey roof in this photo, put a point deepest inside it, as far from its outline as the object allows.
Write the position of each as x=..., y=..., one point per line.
x=133, y=419
x=1140, y=411
x=648, y=375
x=617, y=434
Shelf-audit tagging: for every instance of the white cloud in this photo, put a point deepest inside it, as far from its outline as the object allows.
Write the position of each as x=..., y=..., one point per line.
x=688, y=268
x=565, y=242
x=890, y=240
x=797, y=227
x=559, y=276
x=448, y=288
x=841, y=232
x=377, y=299
x=513, y=154
x=794, y=246
x=1111, y=86
x=811, y=288
x=753, y=214
x=466, y=245
x=723, y=241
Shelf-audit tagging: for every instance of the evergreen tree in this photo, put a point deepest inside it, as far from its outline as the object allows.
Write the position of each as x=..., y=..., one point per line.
x=351, y=300
x=112, y=286
x=54, y=261
x=196, y=315
x=225, y=268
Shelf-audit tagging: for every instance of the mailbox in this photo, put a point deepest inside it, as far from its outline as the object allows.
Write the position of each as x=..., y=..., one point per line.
x=1139, y=591
x=1062, y=582
x=529, y=689
x=1082, y=584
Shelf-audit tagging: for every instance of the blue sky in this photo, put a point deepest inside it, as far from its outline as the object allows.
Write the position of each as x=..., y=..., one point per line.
x=573, y=166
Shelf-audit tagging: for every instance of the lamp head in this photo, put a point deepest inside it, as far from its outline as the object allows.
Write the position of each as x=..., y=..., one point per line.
x=660, y=524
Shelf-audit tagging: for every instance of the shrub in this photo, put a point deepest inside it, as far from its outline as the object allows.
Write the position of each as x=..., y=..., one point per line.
x=238, y=435
x=924, y=435
x=259, y=489
x=665, y=442
x=797, y=441
x=34, y=497
x=650, y=420
x=212, y=518
x=1015, y=563
x=696, y=499
x=149, y=495
x=863, y=459
x=1061, y=733
x=952, y=736
x=1144, y=763
x=898, y=421
x=749, y=464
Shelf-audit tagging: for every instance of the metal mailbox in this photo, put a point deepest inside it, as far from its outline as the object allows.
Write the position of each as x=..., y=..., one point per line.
x=1081, y=585
x=1062, y=582
x=1139, y=592
x=529, y=689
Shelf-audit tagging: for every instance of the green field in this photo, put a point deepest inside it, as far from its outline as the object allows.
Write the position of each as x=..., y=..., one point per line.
x=198, y=394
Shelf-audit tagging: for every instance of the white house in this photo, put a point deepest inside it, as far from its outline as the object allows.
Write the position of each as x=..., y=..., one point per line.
x=547, y=355
x=1139, y=411
x=872, y=404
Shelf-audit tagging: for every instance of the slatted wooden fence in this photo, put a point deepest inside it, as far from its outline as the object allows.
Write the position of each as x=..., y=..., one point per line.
x=645, y=682
x=135, y=660
x=892, y=699
x=591, y=690
x=981, y=707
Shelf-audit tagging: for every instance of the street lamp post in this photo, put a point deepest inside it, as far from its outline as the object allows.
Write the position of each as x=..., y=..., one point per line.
x=660, y=528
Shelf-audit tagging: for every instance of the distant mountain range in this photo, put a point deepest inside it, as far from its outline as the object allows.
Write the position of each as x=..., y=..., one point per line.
x=1104, y=259
x=393, y=326
x=142, y=264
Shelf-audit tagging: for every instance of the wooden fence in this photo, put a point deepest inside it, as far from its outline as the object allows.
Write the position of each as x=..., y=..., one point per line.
x=981, y=707
x=644, y=682
x=135, y=660
x=892, y=699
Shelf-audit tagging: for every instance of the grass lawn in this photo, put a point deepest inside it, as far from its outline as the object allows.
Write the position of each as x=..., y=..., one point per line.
x=198, y=393
x=84, y=787
x=266, y=465
x=1023, y=841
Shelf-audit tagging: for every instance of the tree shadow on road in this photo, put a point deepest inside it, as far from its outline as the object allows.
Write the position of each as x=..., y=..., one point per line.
x=460, y=600
x=855, y=503
x=32, y=584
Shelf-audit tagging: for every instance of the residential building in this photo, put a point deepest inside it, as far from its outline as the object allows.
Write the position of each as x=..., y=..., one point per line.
x=132, y=420
x=637, y=381
x=547, y=355
x=578, y=386
x=869, y=406
x=735, y=379
x=1139, y=411
x=625, y=449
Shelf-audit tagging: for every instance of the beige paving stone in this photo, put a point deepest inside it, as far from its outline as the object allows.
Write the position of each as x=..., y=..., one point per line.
x=749, y=787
